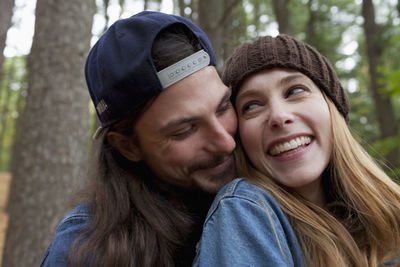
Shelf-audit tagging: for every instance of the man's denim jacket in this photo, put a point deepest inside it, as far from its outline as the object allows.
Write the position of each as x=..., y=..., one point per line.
x=68, y=230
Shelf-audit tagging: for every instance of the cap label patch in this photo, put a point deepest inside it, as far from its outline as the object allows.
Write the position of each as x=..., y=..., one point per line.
x=183, y=68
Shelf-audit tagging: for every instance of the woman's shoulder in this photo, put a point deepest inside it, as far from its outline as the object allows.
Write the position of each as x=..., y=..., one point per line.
x=241, y=196
x=246, y=226
x=244, y=189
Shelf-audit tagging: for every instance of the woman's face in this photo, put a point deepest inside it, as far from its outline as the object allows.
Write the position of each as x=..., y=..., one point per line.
x=285, y=128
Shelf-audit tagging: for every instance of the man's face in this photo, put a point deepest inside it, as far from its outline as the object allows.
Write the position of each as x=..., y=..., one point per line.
x=186, y=135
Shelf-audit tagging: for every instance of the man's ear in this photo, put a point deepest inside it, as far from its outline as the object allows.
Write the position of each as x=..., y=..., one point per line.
x=126, y=145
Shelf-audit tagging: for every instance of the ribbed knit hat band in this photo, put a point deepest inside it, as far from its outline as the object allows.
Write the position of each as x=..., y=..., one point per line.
x=287, y=52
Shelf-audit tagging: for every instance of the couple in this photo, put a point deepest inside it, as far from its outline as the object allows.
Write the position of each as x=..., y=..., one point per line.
x=310, y=195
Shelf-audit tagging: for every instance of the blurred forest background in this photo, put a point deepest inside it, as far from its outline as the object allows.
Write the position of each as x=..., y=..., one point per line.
x=46, y=119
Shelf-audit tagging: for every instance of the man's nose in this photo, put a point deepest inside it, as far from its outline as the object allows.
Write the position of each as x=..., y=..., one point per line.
x=219, y=140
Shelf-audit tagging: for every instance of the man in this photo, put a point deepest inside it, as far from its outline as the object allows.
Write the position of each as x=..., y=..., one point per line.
x=164, y=147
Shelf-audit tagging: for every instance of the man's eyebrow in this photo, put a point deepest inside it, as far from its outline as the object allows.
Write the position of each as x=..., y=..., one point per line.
x=225, y=97
x=177, y=122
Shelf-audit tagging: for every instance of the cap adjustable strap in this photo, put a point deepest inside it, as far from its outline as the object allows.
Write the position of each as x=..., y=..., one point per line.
x=183, y=68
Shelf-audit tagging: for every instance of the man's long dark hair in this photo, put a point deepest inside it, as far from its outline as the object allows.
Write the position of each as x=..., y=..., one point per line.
x=132, y=221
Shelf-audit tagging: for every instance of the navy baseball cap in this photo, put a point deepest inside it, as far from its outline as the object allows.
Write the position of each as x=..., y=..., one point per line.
x=119, y=69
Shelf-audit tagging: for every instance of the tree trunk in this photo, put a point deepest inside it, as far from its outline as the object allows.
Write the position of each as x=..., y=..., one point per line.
x=383, y=105
x=210, y=16
x=282, y=16
x=50, y=156
x=216, y=20
x=181, y=4
x=228, y=44
x=310, y=27
x=6, y=11
x=106, y=3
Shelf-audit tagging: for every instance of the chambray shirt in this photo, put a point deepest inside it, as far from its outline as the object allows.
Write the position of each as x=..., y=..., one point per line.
x=67, y=231
x=243, y=227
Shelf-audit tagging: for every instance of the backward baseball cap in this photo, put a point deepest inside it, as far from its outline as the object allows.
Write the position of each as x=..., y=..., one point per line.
x=119, y=69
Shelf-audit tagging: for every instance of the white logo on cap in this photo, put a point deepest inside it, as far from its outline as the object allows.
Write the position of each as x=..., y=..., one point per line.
x=101, y=106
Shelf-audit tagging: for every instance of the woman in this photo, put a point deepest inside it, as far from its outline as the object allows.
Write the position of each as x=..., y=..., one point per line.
x=312, y=195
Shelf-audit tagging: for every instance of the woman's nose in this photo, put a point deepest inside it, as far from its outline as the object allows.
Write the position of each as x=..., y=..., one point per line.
x=280, y=115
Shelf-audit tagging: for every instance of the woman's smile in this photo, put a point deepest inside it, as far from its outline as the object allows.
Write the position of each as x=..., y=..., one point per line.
x=289, y=146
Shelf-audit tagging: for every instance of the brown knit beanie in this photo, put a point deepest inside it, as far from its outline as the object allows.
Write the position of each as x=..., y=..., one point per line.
x=287, y=52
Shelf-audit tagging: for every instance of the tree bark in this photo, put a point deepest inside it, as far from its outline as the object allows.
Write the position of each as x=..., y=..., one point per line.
x=6, y=11
x=106, y=3
x=215, y=19
x=181, y=4
x=383, y=105
x=50, y=156
x=210, y=14
x=282, y=16
x=310, y=27
x=228, y=44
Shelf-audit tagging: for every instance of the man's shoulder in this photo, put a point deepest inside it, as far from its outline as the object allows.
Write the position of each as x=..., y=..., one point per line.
x=81, y=210
x=67, y=231
x=80, y=214
x=74, y=223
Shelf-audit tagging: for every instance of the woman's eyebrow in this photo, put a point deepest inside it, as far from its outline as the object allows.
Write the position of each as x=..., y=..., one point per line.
x=290, y=78
x=247, y=93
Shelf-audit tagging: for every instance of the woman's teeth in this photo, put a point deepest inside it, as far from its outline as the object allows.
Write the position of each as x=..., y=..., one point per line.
x=290, y=145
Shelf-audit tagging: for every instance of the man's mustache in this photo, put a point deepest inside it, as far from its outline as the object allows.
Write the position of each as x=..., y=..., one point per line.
x=209, y=163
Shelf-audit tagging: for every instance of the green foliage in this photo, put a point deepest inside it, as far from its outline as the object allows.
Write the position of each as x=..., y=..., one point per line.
x=385, y=145
x=12, y=98
x=362, y=116
x=390, y=68
x=395, y=175
x=299, y=21
x=391, y=80
x=259, y=15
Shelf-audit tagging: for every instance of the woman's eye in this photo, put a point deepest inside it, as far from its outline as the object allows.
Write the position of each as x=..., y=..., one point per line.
x=294, y=91
x=249, y=107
